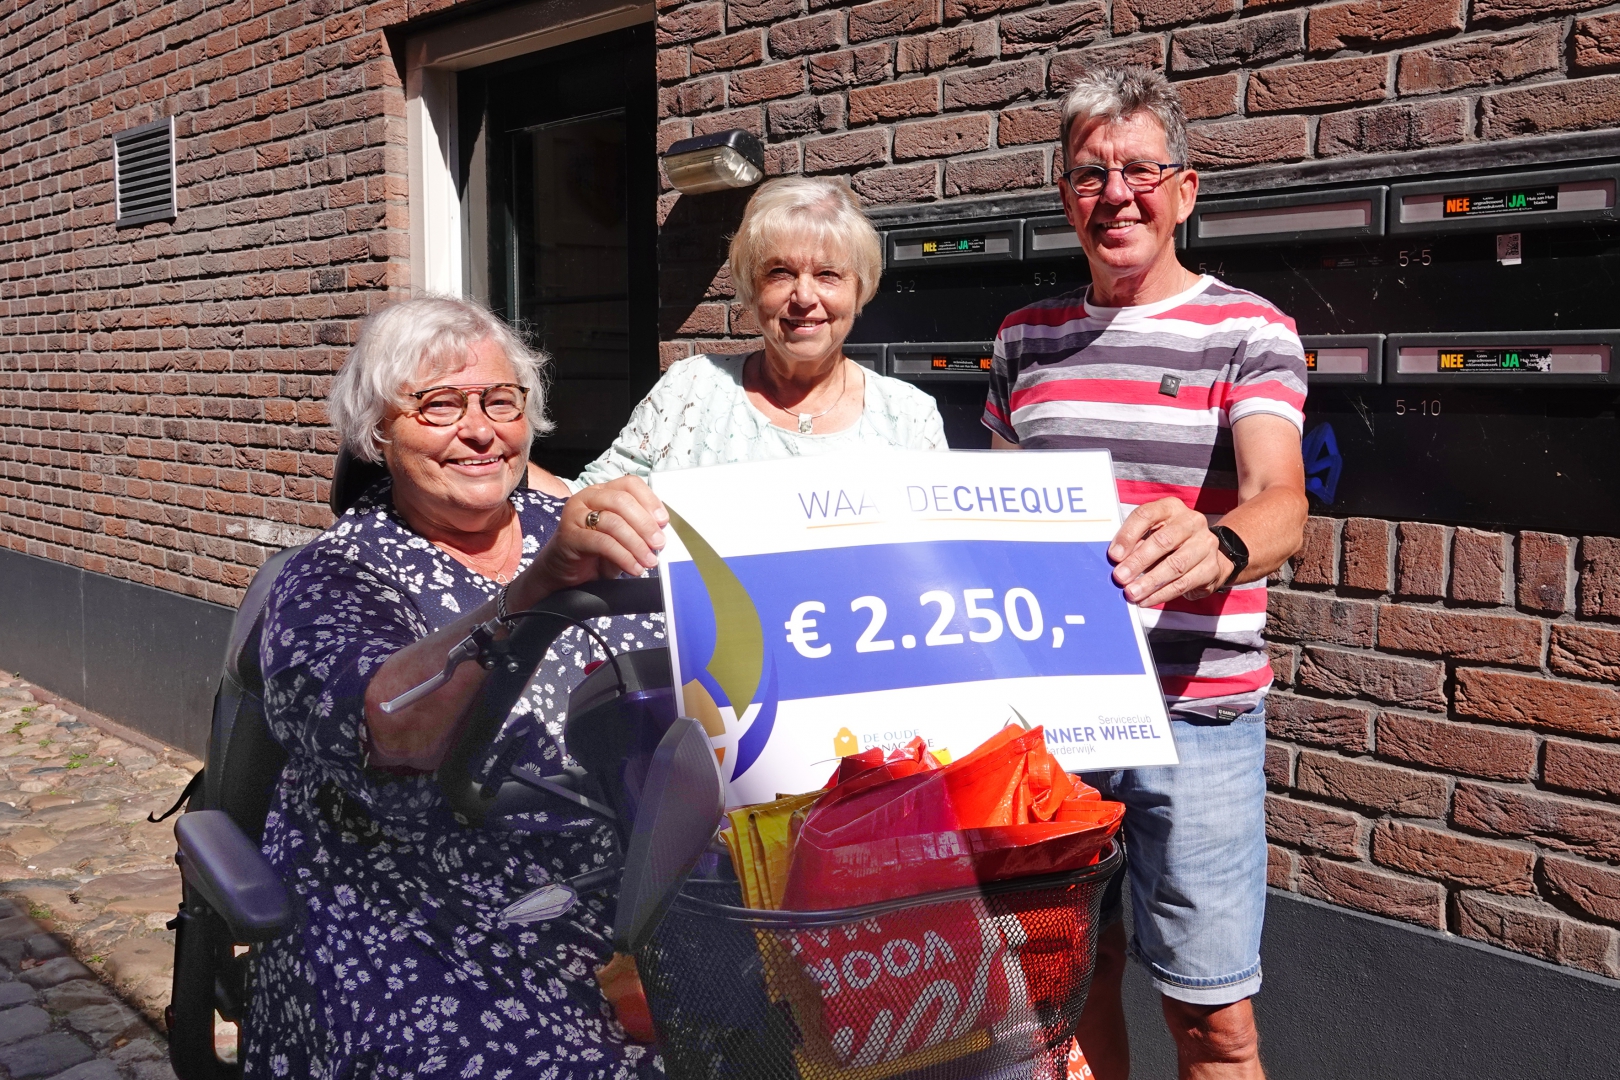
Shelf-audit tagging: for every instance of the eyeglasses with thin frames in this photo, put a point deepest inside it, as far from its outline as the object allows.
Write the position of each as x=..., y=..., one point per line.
x=444, y=406
x=1087, y=181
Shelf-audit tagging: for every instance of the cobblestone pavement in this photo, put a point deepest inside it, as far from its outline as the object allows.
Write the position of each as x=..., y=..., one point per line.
x=87, y=882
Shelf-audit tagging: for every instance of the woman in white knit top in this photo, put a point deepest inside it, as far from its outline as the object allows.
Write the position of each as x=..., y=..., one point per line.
x=805, y=260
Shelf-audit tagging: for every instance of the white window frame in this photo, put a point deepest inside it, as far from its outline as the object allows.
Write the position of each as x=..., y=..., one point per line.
x=432, y=60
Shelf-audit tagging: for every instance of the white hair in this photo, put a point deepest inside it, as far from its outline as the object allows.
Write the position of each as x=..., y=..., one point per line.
x=796, y=210
x=1114, y=94
x=421, y=339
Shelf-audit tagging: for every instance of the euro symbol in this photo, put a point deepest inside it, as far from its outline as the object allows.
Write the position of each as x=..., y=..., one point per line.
x=800, y=634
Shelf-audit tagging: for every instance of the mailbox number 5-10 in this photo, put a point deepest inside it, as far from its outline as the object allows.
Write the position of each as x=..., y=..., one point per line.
x=1424, y=406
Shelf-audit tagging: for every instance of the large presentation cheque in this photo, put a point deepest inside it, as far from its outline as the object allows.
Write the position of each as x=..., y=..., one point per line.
x=822, y=606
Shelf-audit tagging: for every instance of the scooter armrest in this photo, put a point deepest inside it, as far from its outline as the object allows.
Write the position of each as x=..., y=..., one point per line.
x=231, y=876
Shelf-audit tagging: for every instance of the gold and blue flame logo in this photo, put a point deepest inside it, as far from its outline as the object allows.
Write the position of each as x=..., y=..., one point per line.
x=731, y=682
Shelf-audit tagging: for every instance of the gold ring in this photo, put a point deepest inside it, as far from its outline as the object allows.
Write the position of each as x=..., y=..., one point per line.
x=592, y=518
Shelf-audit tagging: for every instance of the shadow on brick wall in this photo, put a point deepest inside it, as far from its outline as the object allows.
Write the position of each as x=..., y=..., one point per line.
x=692, y=248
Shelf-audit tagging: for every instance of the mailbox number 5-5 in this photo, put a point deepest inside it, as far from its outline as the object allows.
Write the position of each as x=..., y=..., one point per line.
x=1421, y=256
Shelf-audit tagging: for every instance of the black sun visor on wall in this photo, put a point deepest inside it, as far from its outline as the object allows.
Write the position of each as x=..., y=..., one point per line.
x=143, y=171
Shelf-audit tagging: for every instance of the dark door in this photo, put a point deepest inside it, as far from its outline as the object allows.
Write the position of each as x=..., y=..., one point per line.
x=571, y=178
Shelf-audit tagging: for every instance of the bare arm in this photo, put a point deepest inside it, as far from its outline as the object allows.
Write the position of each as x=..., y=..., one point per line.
x=1165, y=549
x=998, y=443
x=541, y=480
x=626, y=539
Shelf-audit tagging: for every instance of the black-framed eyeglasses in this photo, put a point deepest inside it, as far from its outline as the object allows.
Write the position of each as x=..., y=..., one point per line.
x=1088, y=180
x=443, y=406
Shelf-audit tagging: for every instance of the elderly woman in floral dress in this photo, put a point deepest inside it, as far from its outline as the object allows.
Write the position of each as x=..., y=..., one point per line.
x=401, y=964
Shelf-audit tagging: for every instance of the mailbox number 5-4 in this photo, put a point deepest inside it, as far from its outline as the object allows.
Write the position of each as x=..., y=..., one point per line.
x=1421, y=256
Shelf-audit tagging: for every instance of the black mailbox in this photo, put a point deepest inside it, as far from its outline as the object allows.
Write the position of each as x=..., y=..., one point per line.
x=956, y=244
x=1283, y=219
x=1504, y=202
x=1343, y=358
x=951, y=361
x=868, y=356
x=1525, y=358
x=1050, y=237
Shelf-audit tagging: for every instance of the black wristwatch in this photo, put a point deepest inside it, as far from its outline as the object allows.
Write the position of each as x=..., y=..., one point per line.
x=1233, y=547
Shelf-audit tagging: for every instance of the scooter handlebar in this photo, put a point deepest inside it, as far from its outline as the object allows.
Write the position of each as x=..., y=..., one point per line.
x=515, y=661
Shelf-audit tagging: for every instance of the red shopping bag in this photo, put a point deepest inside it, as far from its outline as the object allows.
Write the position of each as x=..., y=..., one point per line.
x=900, y=829
x=914, y=757
x=936, y=982
x=910, y=982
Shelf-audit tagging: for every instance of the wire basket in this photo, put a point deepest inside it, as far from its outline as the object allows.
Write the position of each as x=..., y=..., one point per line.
x=980, y=983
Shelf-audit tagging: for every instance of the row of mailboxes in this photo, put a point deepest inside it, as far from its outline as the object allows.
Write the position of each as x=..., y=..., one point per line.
x=1480, y=204
x=1547, y=358
x=1460, y=333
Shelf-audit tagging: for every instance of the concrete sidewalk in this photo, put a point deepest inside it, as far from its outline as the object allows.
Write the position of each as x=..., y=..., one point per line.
x=88, y=884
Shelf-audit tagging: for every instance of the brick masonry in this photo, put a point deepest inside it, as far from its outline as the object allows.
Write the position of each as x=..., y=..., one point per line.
x=162, y=388
x=1445, y=733
x=1445, y=723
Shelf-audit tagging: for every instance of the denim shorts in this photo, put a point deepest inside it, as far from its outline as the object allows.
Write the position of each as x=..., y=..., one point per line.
x=1195, y=850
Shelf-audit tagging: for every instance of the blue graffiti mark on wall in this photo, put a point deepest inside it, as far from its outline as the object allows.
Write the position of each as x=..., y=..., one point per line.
x=1323, y=463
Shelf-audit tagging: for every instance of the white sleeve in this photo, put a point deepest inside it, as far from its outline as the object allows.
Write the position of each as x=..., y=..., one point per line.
x=932, y=435
x=918, y=421
x=627, y=456
x=647, y=437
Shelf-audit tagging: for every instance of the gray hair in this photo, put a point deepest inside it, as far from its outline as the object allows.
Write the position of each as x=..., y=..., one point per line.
x=1116, y=93
x=421, y=338
x=793, y=209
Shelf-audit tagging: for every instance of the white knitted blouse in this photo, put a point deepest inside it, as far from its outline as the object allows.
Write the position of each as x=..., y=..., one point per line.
x=699, y=414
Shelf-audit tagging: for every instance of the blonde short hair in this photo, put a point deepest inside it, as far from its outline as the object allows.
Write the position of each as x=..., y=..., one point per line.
x=793, y=210
x=432, y=334
x=1117, y=93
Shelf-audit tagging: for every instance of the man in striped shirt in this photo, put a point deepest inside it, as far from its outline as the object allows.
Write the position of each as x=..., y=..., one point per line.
x=1197, y=389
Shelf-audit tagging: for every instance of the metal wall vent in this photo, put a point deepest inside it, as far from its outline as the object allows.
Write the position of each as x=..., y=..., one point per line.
x=143, y=167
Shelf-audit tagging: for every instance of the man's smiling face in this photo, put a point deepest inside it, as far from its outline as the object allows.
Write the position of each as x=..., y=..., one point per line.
x=1124, y=232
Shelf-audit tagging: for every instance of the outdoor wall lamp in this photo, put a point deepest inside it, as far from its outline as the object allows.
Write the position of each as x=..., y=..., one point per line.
x=724, y=159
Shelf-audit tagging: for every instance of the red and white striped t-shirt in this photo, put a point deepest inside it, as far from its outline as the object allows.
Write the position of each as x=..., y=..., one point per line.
x=1160, y=386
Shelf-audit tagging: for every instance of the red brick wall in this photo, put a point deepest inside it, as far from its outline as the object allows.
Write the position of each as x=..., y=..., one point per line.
x=1447, y=728
x=927, y=99
x=1446, y=732
x=162, y=388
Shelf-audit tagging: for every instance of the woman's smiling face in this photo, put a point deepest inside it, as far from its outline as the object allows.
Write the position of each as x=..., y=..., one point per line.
x=806, y=304
x=467, y=467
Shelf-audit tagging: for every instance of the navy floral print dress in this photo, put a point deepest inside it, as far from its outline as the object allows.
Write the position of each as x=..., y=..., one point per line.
x=400, y=965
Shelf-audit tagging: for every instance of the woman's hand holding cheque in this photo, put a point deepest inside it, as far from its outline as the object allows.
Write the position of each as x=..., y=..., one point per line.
x=606, y=530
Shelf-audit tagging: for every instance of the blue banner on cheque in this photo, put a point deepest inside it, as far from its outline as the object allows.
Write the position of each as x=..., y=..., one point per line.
x=823, y=606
